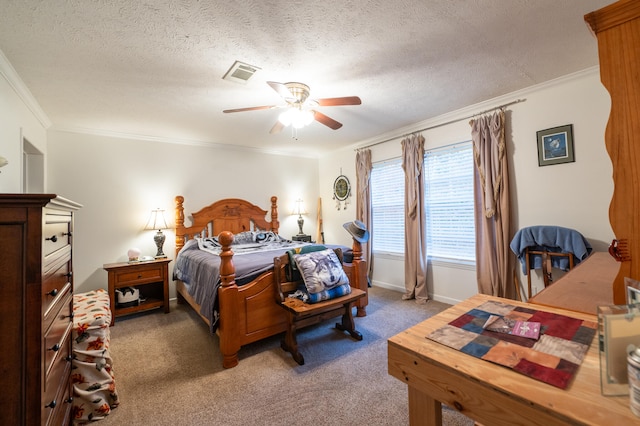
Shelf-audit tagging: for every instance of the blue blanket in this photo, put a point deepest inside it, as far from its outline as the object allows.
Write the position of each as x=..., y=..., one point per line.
x=552, y=239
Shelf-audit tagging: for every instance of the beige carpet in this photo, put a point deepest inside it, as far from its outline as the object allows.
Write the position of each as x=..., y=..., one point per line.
x=168, y=372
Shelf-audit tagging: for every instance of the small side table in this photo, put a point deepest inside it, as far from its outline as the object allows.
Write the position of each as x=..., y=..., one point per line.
x=302, y=238
x=150, y=278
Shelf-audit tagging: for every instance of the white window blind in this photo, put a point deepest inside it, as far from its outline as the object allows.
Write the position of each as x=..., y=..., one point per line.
x=387, y=207
x=449, y=203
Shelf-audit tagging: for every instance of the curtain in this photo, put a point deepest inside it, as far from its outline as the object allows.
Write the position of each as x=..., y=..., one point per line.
x=494, y=262
x=415, y=255
x=363, y=200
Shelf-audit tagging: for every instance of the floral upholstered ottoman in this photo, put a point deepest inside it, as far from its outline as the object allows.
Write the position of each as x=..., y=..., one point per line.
x=94, y=389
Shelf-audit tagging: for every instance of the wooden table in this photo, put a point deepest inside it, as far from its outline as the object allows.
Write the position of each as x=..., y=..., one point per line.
x=584, y=288
x=492, y=394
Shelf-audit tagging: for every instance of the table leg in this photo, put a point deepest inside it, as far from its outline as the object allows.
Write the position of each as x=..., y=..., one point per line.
x=423, y=410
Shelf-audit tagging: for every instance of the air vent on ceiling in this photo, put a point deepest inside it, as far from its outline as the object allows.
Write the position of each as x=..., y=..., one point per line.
x=240, y=72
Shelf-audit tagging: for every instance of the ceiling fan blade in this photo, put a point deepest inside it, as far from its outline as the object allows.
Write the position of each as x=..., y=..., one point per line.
x=347, y=100
x=256, y=108
x=277, y=128
x=281, y=89
x=327, y=121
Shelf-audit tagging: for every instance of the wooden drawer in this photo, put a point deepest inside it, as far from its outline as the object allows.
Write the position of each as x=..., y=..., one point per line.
x=56, y=337
x=56, y=402
x=135, y=275
x=56, y=278
x=56, y=232
x=62, y=306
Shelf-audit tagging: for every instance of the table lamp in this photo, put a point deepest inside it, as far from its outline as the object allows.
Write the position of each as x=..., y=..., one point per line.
x=299, y=210
x=157, y=221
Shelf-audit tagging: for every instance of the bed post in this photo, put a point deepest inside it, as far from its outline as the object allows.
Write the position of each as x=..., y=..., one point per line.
x=179, y=223
x=274, y=214
x=228, y=295
x=360, y=275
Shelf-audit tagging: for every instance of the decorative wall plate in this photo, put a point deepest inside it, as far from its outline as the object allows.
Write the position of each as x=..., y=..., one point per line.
x=341, y=191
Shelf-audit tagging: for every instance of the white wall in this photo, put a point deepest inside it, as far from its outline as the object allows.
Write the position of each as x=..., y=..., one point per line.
x=20, y=117
x=119, y=181
x=574, y=195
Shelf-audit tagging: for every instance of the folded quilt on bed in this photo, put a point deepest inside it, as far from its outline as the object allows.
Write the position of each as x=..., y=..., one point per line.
x=553, y=239
x=247, y=242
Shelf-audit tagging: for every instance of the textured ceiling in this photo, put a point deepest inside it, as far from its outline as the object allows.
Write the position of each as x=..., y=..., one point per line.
x=155, y=67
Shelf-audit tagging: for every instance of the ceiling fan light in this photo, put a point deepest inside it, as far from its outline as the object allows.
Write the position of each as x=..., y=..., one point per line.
x=286, y=117
x=308, y=117
x=301, y=118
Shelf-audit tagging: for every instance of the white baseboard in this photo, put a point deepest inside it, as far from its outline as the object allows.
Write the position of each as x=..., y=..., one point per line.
x=443, y=299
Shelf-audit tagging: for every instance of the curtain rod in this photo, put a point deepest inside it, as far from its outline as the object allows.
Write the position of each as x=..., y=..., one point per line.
x=443, y=124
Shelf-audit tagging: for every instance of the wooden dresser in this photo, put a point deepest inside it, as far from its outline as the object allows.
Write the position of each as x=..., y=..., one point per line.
x=36, y=276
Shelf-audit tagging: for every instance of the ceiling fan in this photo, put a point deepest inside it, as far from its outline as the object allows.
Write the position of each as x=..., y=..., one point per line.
x=300, y=110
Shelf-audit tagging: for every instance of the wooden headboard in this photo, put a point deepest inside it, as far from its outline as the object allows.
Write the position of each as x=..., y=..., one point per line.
x=231, y=214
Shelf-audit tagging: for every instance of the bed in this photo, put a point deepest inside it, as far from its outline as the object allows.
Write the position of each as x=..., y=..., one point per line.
x=245, y=310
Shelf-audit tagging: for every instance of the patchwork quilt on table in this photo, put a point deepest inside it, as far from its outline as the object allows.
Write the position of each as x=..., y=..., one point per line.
x=553, y=358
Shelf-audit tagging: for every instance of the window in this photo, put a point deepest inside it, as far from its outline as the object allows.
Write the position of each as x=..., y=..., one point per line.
x=387, y=207
x=449, y=204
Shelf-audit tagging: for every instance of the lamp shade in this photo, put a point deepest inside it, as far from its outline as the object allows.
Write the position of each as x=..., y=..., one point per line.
x=298, y=208
x=156, y=220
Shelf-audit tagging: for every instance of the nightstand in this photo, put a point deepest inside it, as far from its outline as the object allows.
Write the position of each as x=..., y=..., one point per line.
x=150, y=278
x=302, y=237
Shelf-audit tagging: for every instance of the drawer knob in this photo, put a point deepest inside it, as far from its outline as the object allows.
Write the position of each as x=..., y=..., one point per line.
x=69, y=274
x=52, y=404
x=64, y=234
x=52, y=239
x=69, y=400
x=69, y=316
x=53, y=292
x=69, y=358
x=55, y=347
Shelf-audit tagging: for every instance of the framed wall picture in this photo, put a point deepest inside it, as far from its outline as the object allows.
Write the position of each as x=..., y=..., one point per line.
x=555, y=145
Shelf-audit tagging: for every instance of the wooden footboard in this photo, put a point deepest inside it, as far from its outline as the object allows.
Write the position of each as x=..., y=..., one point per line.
x=249, y=313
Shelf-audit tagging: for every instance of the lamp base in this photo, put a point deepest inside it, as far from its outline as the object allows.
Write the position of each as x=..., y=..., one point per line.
x=159, y=240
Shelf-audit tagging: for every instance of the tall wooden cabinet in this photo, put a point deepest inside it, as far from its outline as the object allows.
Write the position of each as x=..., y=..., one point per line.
x=617, y=28
x=36, y=303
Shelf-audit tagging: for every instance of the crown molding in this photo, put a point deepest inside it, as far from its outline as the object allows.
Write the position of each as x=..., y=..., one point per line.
x=16, y=83
x=175, y=141
x=474, y=109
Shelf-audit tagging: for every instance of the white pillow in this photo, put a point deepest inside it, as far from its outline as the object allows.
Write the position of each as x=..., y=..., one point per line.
x=321, y=270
